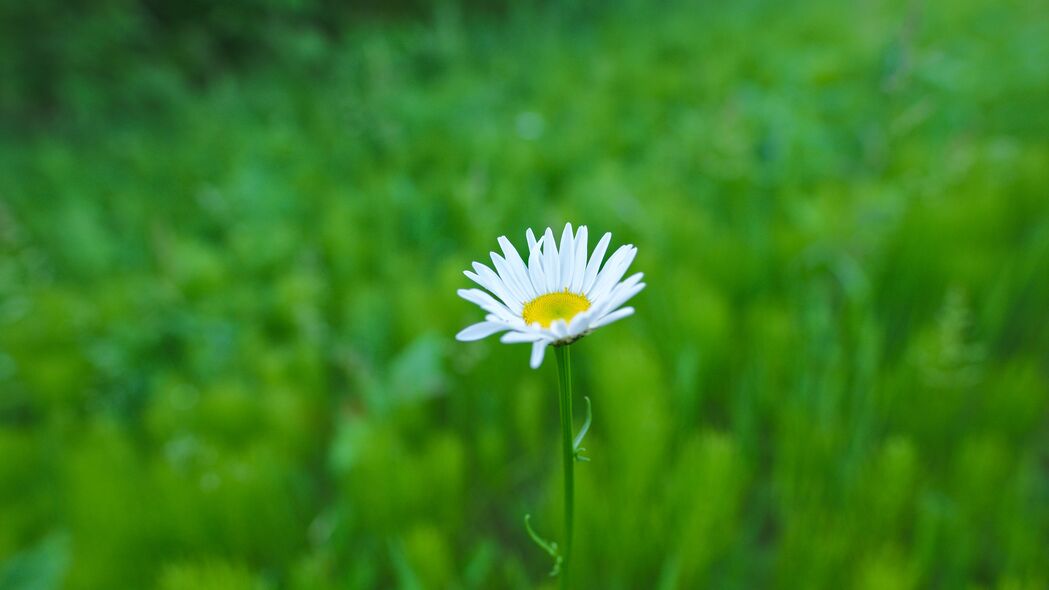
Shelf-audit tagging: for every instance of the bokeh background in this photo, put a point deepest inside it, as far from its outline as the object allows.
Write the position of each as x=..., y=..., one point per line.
x=231, y=236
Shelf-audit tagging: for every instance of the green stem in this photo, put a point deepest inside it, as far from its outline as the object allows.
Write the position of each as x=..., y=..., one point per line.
x=564, y=374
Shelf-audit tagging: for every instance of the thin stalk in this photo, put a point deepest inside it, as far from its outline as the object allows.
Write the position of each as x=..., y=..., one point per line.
x=564, y=374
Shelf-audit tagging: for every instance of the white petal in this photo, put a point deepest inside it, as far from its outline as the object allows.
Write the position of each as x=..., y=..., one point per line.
x=487, y=278
x=615, y=315
x=506, y=276
x=617, y=265
x=567, y=255
x=551, y=264
x=595, y=261
x=579, y=264
x=486, y=302
x=602, y=304
x=535, y=268
x=512, y=324
x=532, y=243
x=480, y=330
x=579, y=324
x=516, y=267
x=520, y=270
x=620, y=295
x=538, y=348
x=560, y=328
x=513, y=337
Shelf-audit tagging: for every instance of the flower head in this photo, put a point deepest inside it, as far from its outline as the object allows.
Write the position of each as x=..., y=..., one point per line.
x=558, y=297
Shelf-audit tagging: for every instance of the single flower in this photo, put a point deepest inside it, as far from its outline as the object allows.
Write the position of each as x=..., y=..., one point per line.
x=559, y=296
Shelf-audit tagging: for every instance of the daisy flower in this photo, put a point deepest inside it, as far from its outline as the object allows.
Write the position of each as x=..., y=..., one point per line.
x=559, y=296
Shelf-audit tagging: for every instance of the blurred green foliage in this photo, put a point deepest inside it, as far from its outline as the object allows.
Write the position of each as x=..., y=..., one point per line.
x=79, y=59
x=226, y=354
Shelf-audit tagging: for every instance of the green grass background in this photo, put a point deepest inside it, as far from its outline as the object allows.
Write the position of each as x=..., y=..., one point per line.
x=227, y=309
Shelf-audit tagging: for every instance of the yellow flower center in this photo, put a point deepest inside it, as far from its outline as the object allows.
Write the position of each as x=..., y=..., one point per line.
x=560, y=305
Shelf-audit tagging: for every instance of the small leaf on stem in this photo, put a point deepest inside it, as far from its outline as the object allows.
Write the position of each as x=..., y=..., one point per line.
x=549, y=546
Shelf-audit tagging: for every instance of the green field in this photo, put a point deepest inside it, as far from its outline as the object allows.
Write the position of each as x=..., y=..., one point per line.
x=227, y=309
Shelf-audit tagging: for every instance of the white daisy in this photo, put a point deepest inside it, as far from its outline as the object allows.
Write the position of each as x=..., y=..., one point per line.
x=557, y=298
